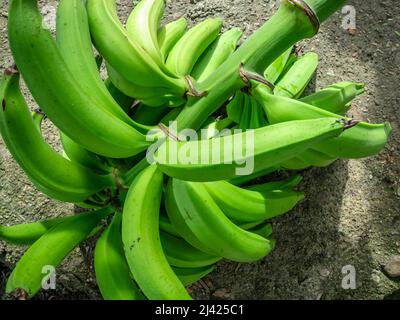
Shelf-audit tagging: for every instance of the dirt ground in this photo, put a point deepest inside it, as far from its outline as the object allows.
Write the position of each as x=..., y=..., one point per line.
x=352, y=212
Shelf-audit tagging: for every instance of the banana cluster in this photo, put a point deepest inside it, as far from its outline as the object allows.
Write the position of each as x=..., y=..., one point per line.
x=162, y=226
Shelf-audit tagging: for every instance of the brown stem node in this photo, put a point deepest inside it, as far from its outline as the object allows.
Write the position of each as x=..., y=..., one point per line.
x=301, y=4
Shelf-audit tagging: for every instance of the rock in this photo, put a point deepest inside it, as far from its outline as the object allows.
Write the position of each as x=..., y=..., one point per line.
x=393, y=267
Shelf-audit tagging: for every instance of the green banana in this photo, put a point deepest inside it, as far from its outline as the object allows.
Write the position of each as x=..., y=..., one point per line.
x=235, y=107
x=335, y=98
x=28, y=233
x=362, y=140
x=216, y=128
x=179, y=253
x=294, y=82
x=131, y=60
x=249, y=206
x=242, y=180
x=51, y=249
x=74, y=42
x=49, y=171
x=316, y=158
x=38, y=118
x=264, y=230
x=216, y=54
x=189, y=276
x=266, y=148
x=169, y=35
x=189, y=48
x=166, y=226
x=149, y=115
x=142, y=26
x=202, y=223
x=60, y=96
x=245, y=119
x=151, y=96
x=272, y=73
x=140, y=235
x=122, y=99
x=77, y=153
x=112, y=272
x=290, y=182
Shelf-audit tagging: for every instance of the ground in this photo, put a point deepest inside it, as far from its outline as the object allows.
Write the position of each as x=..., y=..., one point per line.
x=351, y=215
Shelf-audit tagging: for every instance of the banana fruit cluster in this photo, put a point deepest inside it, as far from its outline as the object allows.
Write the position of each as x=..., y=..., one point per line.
x=163, y=225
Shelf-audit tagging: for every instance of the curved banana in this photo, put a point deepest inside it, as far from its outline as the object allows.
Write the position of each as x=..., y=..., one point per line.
x=112, y=272
x=189, y=276
x=51, y=249
x=57, y=92
x=245, y=119
x=362, y=140
x=38, y=118
x=130, y=60
x=149, y=115
x=249, y=206
x=27, y=233
x=265, y=148
x=167, y=227
x=295, y=81
x=77, y=153
x=216, y=54
x=274, y=71
x=335, y=98
x=140, y=235
x=290, y=182
x=169, y=35
x=122, y=99
x=202, y=223
x=142, y=26
x=235, y=107
x=191, y=46
x=74, y=42
x=151, y=96
x=49, y=171
x=181, y=254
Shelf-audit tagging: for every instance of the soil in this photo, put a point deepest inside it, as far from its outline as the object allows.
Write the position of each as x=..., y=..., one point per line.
x=351, y=216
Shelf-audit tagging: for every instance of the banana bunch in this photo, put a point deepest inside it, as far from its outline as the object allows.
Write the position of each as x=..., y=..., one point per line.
x=163, y=225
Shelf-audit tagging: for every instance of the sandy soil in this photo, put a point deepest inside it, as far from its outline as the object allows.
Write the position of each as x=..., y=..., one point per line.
x=352, y=213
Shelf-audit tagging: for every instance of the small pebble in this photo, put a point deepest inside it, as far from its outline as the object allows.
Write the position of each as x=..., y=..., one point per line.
x=393, y=267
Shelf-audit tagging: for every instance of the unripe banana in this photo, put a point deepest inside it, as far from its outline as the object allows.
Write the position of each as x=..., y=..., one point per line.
x=60, y=96
x=216, y=54
x=149, y=115
x=51, y=249
x=49, y=171
x=122, y=99
x=249, y=206
x=335, y=98
x=273, y=72
x=74, y=42
x=181, y=254
x=191, y=46
x=272, y=145
x=130, y=60
x=362, y=140
x=169, y=35
x=142, y=26
x=294, y=82
x=202, y=223
x=290, y=182
x=151, y=96
x=217, y=128
x=77, y=153
x=235, y=107
x=28, y=233
x=38, y=118
x=316, y=158
x=141, y=238
x=112, y=272
x=189, y=276
x=167, y=227
x=245, y=119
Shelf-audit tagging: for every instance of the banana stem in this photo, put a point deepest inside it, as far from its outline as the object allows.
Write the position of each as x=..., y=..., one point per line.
x=290, y=24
